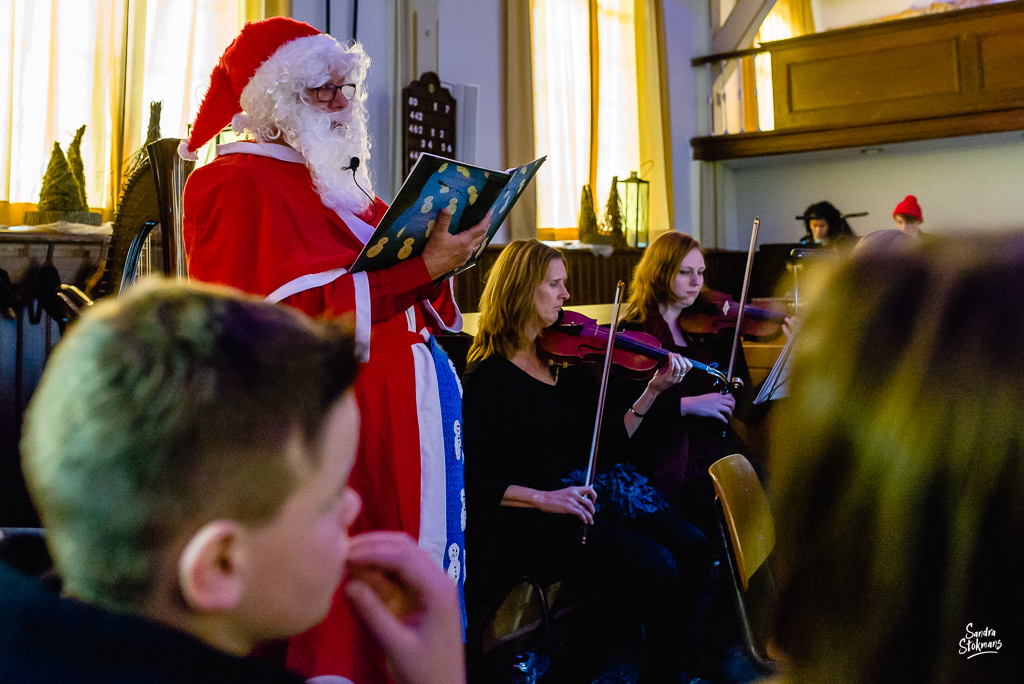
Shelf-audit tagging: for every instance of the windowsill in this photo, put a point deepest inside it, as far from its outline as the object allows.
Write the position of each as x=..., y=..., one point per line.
x=558, y=234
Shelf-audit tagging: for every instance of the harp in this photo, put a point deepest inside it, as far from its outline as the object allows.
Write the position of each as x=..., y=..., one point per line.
x=147, y=226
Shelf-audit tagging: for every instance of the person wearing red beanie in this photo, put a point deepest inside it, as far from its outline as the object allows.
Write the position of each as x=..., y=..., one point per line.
x=908, y=216
x=283, y=216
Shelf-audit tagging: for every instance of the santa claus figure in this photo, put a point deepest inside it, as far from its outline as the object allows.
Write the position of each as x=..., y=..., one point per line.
x=283, y=216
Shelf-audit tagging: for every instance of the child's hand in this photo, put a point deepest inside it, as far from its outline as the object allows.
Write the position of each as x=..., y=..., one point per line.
x=409, y=605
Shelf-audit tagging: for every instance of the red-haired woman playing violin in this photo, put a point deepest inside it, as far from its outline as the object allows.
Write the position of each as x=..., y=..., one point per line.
x=687, y=427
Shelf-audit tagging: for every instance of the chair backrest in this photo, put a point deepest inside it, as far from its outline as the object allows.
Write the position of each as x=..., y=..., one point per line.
x=746, y=512
x=525, y=620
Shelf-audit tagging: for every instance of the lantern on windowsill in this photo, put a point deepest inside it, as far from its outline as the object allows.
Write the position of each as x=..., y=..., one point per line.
x=634, y=198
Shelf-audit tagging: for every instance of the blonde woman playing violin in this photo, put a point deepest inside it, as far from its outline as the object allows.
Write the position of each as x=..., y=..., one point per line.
x=525, y=430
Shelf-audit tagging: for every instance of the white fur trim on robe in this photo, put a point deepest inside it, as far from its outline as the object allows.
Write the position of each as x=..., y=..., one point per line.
x=433, y=537
x=360, y=228
x=307, y=282
x=361, y=289
x=272, y=150
x=454, y=314
x=364, y=321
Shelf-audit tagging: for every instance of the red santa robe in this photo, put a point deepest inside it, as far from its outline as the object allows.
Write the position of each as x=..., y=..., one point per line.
x=253, y=220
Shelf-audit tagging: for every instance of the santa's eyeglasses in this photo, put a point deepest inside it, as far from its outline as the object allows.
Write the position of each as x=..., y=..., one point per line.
x=328, y=91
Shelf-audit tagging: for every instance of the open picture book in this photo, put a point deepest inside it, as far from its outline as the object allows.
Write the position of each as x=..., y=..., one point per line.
x=433, y=184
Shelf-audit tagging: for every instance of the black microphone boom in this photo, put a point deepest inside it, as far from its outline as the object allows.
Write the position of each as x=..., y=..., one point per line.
x=353, y=164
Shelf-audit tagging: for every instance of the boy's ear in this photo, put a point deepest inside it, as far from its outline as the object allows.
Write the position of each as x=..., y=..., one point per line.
x=210, y=567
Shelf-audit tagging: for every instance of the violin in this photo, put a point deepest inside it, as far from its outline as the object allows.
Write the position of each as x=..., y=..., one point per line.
x=575, y=338
x=715, y=311
x=565, y=342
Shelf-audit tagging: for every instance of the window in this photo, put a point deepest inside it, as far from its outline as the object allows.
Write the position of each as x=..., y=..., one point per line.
x=100, y=63
x=597, y=106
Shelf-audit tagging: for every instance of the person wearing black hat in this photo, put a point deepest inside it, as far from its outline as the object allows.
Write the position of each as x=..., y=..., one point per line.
x=825, y=226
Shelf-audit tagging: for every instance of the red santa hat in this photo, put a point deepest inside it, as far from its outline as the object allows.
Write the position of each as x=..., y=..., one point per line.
x=258, y=42
x=909, y=207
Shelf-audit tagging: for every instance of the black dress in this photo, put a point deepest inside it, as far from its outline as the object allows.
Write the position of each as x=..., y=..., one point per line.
x=675, y=451
x=518, y=430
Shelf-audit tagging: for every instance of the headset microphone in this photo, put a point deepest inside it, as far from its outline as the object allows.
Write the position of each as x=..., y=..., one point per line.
x=353, y=164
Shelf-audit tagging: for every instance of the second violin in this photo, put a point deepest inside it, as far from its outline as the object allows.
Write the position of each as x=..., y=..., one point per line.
x=716, y=311
x=579, y=339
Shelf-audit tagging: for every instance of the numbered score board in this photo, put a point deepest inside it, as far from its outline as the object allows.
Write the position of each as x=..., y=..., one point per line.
x=428, y=116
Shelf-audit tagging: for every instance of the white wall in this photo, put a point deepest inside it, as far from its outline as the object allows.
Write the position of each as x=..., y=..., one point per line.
x=833, y=14
x=471, y=51
x=685, y=24
x=962, y=184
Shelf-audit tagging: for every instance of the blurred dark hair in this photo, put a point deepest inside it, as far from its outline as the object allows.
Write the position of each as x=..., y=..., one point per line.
x=898, y=469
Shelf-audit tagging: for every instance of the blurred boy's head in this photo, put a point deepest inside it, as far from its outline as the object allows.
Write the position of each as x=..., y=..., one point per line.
x=898, y=467
x=188, y=449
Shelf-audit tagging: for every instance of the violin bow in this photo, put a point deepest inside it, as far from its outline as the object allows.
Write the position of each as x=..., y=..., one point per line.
x=743, y=301
x=606, y=372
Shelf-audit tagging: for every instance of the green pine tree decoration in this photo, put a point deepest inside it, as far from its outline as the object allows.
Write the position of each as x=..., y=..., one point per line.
x=62, y=197
x=588, y=219
x=60, y=189
x=613, y=215
x=77, y=166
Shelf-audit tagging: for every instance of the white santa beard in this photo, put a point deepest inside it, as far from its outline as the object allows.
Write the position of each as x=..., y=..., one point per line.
x=327, y=143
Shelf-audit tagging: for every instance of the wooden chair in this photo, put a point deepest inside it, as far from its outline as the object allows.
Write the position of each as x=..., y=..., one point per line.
x=524, y=612
x=748, y=534
x=527, y=619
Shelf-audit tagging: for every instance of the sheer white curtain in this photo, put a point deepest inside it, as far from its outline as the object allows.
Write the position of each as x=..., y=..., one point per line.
x=57, y=62
x=181, y=48
x=618, y=132
x=586, y=102
x=99, y=63
x=561, y=96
